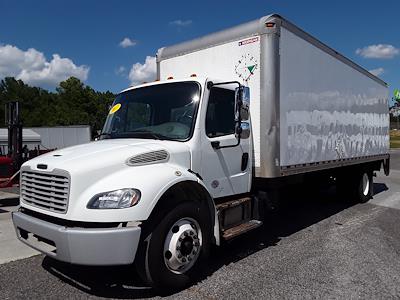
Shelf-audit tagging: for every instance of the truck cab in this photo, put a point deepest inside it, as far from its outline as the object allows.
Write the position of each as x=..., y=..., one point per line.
x=148, y=186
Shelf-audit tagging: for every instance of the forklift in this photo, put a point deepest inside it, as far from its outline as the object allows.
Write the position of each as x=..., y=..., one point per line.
x=11, y=163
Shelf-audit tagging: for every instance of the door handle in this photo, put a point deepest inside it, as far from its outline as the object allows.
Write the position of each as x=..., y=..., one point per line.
x=245, y=161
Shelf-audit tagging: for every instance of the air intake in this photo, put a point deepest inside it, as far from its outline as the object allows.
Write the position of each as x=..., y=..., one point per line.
x=148, y=158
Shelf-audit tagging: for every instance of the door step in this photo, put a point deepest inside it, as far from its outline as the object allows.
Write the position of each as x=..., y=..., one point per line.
x=232, y=203
x=234, y=212
x=240, y=229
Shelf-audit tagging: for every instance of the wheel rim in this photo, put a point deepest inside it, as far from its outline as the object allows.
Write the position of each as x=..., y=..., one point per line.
x=182, y=245
x=365, y=184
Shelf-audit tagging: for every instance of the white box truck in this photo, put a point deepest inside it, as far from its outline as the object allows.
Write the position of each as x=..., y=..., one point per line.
x=192, y=159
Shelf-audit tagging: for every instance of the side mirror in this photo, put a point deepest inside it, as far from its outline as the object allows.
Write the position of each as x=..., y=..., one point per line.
x=245, y=107
x=242, y=109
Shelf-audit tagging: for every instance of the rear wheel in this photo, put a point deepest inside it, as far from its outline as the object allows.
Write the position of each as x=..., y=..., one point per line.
x=173, y=251
x=365, y=187
x=358, y=186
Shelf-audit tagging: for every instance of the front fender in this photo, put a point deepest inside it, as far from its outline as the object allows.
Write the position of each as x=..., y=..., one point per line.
x=152, y=181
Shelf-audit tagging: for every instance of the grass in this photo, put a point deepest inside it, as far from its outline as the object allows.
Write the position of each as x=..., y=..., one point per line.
x=394, y=138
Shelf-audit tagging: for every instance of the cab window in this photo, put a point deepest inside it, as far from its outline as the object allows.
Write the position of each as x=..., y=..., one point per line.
x=220, y=118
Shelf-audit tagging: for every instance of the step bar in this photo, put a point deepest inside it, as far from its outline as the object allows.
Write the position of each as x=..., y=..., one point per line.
x=238, y=216
x=240, y=229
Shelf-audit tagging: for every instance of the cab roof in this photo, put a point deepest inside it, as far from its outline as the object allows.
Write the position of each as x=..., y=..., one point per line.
x=200, y=80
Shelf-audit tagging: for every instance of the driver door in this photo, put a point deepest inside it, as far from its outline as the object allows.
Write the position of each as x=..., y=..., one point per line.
x=225, y=171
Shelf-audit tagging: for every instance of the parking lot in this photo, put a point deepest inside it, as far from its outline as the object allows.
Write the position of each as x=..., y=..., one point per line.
x=316, y=246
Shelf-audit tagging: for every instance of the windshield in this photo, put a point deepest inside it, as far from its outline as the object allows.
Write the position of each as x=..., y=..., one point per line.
x=165, y=111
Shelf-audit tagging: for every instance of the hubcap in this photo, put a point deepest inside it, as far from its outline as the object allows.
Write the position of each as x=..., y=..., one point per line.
x=365, y=184
x=182, y=245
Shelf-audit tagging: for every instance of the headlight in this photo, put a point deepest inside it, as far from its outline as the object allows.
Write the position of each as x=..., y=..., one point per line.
x=122, y=198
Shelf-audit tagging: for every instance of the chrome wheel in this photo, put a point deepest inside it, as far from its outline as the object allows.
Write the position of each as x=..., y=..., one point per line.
x=365, y=184
x=182, y=245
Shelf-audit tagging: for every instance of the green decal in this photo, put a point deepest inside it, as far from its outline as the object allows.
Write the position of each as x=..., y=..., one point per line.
x=251, y=68
x=396, y=94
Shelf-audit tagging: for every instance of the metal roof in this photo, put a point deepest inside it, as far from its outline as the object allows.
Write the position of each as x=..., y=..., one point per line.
x=255, y=27
x=243, y=30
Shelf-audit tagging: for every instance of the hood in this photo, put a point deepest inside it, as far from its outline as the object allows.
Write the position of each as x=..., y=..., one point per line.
x=108, y=154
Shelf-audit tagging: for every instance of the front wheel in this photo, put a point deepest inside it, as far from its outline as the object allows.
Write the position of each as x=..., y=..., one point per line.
x=175, y=248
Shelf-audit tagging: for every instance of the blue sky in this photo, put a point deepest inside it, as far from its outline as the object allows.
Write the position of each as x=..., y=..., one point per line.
x=86, y=36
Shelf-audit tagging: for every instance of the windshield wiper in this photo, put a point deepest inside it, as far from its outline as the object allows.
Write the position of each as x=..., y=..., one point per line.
x=105, y=134
x=151, y=134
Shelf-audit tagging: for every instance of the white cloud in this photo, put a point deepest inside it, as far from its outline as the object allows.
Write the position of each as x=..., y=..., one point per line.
x=378, y=51
x=181, y=23
x=121, y=70
x=377, y=71
x=32, y=67
x=143, y=72
x=127, y=42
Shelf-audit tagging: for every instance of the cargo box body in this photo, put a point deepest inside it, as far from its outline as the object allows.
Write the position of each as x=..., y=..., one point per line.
x=311, y=108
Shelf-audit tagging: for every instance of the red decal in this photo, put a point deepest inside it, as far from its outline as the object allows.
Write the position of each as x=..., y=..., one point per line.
x=248, y=41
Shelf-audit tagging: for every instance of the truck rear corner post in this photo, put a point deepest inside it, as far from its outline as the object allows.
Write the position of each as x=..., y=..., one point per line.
x=195, y=158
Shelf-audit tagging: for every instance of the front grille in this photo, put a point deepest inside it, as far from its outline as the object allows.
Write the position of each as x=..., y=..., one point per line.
x=48, y=191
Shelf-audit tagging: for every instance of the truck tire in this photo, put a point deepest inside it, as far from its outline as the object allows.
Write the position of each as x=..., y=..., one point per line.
x=172, y=254
x=365, y=187
x=356, y=186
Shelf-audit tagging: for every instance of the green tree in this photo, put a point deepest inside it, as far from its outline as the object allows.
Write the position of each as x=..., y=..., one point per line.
x=33, y=100
x=73, y=103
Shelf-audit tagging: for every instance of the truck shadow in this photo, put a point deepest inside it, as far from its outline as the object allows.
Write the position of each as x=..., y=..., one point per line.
x=300, y=209
x=110, y=282
x=379, y=188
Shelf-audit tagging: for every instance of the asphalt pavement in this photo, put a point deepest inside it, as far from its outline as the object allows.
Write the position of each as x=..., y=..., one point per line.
x=10, y=247
x=317, y=246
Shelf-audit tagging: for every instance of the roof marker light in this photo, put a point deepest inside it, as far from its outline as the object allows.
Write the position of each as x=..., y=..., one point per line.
x=193, y=75
x=170, y=77
x=269, y=24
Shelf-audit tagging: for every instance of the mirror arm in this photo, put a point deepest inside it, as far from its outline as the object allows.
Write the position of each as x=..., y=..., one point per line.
x=210, y=84
x=216, y=144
